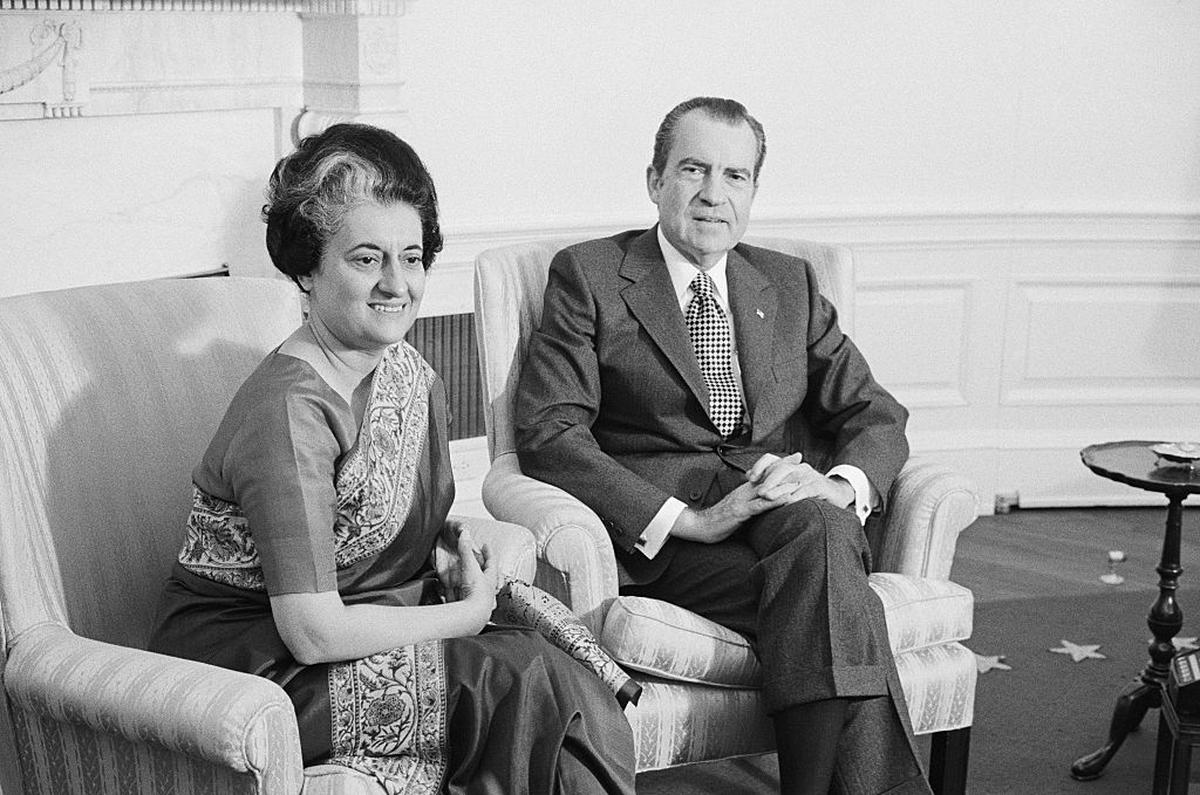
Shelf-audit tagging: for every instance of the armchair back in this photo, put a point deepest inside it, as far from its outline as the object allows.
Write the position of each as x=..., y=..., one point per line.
x=108, y=397
x=510, y=283
x=692, y=707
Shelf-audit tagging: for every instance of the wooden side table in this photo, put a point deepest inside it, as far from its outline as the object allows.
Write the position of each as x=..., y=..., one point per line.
x=1133, y=463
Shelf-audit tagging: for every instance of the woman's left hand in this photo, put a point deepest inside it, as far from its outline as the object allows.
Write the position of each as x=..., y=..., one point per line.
x=477, y=577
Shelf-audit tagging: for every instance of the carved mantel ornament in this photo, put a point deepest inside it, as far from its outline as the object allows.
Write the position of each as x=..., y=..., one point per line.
x=349, y=51
x=58, y=42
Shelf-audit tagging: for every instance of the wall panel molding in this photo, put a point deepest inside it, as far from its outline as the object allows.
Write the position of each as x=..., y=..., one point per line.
x=984, y=324
x=900, y=227
x=1090, y=339
x=899, y=310
x=878, y=230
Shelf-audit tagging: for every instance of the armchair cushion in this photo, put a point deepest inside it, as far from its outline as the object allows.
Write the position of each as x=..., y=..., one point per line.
x=658, y=638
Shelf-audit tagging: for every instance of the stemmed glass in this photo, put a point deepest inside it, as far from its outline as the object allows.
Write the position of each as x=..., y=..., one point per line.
x=1111, y=577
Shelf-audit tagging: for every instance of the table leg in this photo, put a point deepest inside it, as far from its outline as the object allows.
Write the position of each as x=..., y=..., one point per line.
x=1165, y=621
x=1162, y=757
x=1181, y=762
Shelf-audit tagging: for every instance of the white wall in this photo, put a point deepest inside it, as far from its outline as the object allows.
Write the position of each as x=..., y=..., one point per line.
x=926, y=105
x=1021, y=181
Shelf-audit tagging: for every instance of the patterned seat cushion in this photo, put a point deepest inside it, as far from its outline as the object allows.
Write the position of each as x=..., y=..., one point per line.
x=658, y=638
x=676, y=723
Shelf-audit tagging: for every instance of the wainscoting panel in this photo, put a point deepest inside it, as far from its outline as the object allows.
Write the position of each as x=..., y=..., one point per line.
x=1015, y=340
x=1103, y=341
x=922, y=324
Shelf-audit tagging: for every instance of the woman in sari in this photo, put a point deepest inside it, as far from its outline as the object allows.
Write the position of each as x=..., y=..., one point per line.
x=307, y=557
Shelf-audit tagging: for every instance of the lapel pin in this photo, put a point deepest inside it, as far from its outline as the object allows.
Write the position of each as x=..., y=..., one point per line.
x=760, y=314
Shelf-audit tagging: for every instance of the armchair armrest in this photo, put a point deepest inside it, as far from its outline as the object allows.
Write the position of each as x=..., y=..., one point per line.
x=231, y=720
x=510, y=545
x=929, y=506
x=574, y=551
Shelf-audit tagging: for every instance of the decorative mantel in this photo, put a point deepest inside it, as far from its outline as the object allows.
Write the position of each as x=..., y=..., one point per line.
x=352, y=64
x=315, y=61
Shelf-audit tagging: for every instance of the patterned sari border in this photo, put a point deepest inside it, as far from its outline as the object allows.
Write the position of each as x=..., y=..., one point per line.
x=388, y=717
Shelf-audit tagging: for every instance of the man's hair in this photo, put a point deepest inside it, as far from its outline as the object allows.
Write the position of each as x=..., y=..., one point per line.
x=347, y=165
x=727, y=110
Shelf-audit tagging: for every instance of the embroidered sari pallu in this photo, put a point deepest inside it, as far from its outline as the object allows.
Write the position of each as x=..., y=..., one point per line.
x=292, y=497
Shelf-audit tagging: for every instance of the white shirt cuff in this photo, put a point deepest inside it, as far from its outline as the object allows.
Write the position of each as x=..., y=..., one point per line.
x=659, y=530
x=865, y=498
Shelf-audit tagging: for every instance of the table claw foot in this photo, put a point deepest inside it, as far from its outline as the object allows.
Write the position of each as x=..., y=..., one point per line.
x=1132, y=704
x=1087, y=768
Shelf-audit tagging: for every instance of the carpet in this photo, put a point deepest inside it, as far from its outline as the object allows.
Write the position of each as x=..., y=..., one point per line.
x=1033, y=721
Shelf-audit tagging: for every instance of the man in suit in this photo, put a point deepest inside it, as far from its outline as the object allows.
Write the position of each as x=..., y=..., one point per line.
x=698, y=395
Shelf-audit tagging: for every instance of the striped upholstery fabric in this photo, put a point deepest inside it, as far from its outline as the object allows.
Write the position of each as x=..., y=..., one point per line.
x=656, y=637
x=92, y=717
x=676, y=722
x=922, y=612
x=927, y=509
x=680, y=719
x=939, y=686
x=108, y=396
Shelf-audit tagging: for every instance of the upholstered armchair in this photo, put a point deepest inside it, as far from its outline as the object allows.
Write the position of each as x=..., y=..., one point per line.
x=108, y=397
x=700, y=696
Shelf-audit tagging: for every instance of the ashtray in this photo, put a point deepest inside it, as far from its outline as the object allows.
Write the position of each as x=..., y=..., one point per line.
x=1178, y=453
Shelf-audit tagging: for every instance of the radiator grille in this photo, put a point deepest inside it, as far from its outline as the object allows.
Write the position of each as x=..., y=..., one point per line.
x=448, y=343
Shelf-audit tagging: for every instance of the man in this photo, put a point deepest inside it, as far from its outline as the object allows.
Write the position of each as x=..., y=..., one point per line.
x=697, y=394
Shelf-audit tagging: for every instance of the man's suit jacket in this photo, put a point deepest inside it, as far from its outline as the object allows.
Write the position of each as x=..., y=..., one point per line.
x=611, y=402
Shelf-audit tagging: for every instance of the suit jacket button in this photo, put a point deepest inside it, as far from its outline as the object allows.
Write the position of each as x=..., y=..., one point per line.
x=695, y=495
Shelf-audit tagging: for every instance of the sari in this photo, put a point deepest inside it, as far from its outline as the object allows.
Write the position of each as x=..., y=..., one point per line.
x=291, y=497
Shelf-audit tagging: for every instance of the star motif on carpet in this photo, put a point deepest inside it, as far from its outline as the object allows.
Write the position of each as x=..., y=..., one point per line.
x=985, y=663
x=1079, y=651
x=1185, y=644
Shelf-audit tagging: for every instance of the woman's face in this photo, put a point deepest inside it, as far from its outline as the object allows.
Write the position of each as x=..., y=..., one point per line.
x=368, y=287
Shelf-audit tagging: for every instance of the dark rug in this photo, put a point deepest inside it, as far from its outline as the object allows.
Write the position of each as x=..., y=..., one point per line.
x=1033, y=721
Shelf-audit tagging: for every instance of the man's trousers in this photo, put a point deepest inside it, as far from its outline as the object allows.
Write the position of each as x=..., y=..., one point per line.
x=794, y=581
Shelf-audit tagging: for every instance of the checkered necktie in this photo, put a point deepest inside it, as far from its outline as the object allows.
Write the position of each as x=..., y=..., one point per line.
x=709, y=330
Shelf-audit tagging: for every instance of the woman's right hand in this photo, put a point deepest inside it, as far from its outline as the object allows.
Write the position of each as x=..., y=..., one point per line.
x=477, y=579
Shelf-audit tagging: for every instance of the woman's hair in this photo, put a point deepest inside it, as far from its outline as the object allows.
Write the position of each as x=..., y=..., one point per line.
x=330, y=173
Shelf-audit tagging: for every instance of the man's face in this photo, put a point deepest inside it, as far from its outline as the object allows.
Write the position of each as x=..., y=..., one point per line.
x=706, y=188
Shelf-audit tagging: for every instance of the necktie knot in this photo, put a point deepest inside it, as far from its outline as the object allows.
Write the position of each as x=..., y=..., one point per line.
x=702, y=285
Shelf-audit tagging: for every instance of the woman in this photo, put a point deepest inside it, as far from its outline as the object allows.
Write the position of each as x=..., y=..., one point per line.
x=321, y=497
